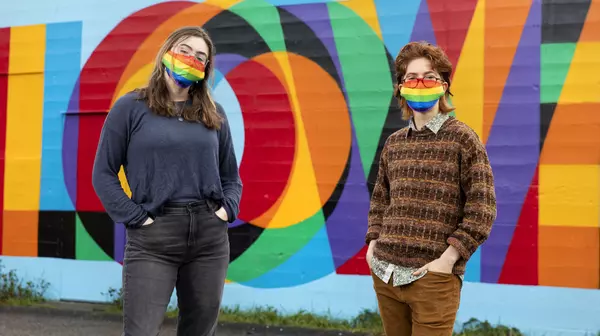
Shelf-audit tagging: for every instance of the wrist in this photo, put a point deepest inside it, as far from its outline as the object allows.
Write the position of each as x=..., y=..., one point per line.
x=450, y=259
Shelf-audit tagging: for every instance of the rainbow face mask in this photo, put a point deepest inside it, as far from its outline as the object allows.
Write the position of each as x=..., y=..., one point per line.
x=185, y=70
x=421, y=94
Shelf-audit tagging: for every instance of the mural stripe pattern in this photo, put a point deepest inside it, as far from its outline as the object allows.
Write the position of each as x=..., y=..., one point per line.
x=309, y=87
x=23, y=140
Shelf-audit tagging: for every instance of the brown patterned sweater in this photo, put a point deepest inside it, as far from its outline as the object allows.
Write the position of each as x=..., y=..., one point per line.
x=432, y=190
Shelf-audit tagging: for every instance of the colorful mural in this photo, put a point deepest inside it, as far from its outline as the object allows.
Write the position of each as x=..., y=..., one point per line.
x=308, y=88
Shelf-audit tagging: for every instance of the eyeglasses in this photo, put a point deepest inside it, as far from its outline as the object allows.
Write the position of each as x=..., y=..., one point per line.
x=428, y=82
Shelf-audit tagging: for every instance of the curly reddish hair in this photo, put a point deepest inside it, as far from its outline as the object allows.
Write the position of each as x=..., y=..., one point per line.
x=439, y=62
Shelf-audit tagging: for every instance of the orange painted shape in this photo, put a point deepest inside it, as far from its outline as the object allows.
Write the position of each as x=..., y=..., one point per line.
x=504, y=22
x=569, y=256
x=573, y=140
x=272, y=61
x=20, y=233
x=196, y=15
x=591, y=27
x=326, y=122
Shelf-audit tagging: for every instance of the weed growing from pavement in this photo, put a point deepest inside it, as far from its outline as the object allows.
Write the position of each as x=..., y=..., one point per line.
x=17, y=292
x=115, y=297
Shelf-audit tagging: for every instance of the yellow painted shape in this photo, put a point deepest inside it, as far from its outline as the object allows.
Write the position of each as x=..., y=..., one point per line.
x=25, y=106
x=301, y=197
x=138, y=79
x=468, y=82
x=123, y=180
x=582, y=84
x=367, y=11
x=569, y=195
x=225, y=4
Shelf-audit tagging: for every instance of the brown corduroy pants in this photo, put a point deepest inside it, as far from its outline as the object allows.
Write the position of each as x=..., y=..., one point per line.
x=426, y=307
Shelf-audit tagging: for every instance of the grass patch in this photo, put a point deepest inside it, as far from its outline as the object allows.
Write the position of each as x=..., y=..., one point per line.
x=14, y=291
x=367, y=321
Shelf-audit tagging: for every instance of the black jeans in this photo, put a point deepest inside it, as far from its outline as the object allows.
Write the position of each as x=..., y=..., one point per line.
x=187, y=248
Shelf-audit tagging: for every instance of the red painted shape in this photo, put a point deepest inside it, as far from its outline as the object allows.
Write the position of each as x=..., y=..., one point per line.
x=4, y=59
x=521, y=263
x=357, y=265
x=270, y=137
x=450, y=21
x=98, y=82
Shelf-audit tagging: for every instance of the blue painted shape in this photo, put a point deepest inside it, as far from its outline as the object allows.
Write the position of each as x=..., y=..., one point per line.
x=312, y=262
x=63, y=54
x=513, y=144
x=224, y=95
x=473, y=272
x=423, y=28
x=69, y=279
x=342, y=296
x=396, y=22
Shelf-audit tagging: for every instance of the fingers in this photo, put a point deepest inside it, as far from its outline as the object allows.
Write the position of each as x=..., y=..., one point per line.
x=420, y=270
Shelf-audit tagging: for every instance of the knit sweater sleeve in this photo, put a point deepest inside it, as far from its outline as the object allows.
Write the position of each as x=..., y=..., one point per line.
x=380, y=200
x=477, y=183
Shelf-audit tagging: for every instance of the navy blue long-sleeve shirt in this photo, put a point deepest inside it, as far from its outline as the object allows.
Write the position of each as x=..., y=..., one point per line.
x=165, y=160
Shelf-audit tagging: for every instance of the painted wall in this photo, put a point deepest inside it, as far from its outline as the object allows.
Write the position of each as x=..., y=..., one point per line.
x=307, y=86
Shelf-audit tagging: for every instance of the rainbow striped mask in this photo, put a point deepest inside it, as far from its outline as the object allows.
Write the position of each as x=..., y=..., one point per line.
x=185, y=70
x=421, y=97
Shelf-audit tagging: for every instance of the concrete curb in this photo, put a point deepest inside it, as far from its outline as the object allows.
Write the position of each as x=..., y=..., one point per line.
x=74, y=310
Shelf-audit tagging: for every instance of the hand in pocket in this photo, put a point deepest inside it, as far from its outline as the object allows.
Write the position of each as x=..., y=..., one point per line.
x=222, y=214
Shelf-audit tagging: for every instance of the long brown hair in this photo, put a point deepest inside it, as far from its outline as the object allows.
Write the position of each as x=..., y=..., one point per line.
x=156, y=94
x=439, y=62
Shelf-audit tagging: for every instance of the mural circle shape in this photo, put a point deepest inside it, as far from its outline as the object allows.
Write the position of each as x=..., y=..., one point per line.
x=297, y=130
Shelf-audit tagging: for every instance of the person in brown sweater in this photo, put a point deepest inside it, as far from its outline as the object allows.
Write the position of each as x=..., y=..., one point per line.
x=433, y=203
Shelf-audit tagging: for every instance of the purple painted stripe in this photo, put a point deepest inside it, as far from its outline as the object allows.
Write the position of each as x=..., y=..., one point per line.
x=120, y=240
x=423, y=29
x=70, y=144
x=226, y=62
x=513, y=144
x=316, y=17
x=236, y=222
x=347, y=225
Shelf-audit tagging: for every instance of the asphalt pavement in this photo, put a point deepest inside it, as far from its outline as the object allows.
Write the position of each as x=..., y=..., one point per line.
x=25, y=324
x=74, y=320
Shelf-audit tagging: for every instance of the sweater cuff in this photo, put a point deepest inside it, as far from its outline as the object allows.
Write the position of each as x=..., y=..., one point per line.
x=138, y=223
x=371, y=235
x=460, y=247
x=230, y=215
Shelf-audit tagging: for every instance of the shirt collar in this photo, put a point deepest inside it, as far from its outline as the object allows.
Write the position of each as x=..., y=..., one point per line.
x=434, y=124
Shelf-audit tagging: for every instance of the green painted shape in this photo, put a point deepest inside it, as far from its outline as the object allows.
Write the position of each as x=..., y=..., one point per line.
x=273, y=248
x=555, y=63
x=86, y=247
x=263, y=17
x=366, y=76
